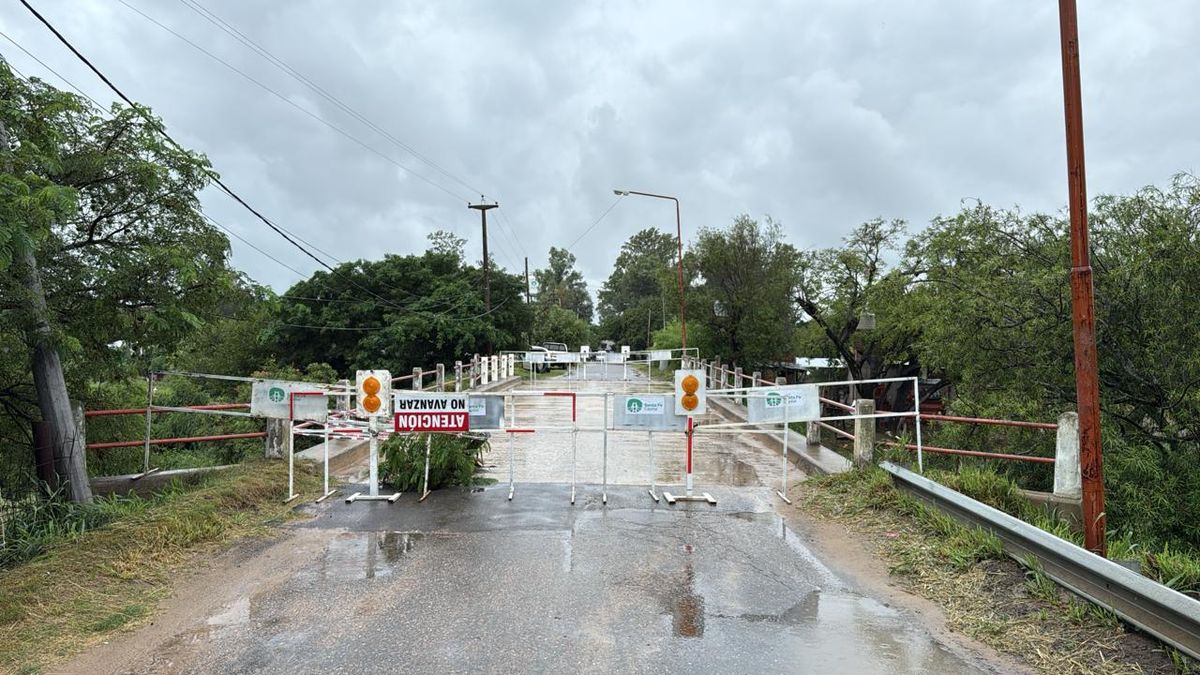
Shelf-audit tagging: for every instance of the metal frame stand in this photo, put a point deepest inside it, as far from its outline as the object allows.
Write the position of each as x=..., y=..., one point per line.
x=328, y=493
x=146, y=470
x=428, y=449
x=787, y=432
x=291, y=462
x=574, y=456
x=689, y=497
x=604, y=460
x=374, y=496
x=653, y=493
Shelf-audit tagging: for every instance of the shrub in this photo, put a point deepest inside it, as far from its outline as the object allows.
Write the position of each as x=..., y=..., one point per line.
x=452, y=460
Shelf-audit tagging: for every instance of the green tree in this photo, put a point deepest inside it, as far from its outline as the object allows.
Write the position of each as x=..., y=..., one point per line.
x=837, y=286
x=105, y=259
x=745, y=298
x=398, y=313
x=995, y=304
x=640, y=288
x=555, y=324
x=561, y=285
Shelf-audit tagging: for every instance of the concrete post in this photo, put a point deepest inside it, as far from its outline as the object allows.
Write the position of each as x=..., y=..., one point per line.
x=278, y=436
x=812, y=430
x=512, y=365
x=417, y=378
x=343, y=400
x=483, y=370
x=495, y=368
x=458, y=376
x=1067, y=480
x=864, y=433
x=441, y=377
x=755, y=377
x=475, y=374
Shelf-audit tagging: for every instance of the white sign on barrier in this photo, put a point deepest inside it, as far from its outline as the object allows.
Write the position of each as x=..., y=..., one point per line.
x=653, y=412
x=566, y=357
x=487, y=412
x=274, y=398
x=585, y=350
x=768, y=404
x=625, y=350
x=645, y=405
x=660, y=355
x=535, y=357
x=614, y=357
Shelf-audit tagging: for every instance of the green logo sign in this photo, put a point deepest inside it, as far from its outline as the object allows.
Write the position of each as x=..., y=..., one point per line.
x=634, y=405
x=276, y=394
x=774, y=400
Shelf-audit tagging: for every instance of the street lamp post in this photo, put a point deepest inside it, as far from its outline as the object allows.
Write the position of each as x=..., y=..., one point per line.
x=679, y=265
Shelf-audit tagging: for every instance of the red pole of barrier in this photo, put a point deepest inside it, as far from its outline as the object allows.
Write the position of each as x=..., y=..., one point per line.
x=689, y=456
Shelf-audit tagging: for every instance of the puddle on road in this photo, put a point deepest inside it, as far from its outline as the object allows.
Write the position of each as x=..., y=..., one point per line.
x=366, y=555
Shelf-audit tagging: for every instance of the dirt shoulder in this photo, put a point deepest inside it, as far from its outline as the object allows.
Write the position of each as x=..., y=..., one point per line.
x=87, y=589
x=960, y=580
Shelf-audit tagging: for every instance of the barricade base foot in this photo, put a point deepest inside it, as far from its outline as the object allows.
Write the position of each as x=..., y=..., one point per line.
x=572, y=494
x=653, y=495
x=702, y=497
x=783, y=496
x=325, y=496
x=427, y=493
x=360, y=497
x=145, y=473
x=511, y=490
x=289, y=499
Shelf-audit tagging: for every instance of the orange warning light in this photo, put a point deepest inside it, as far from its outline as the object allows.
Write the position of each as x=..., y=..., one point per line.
x=690, y=400
x=371, y=401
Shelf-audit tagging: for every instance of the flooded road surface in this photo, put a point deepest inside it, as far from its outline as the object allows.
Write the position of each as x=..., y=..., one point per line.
x=469, y=581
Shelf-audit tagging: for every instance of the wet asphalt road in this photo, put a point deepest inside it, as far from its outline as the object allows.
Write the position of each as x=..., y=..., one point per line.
x=470, y=582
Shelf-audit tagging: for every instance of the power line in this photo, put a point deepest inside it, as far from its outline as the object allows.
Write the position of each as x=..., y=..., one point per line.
x=593, y=225
x=291, y=103
x=212, y=175
x=374, y=328
x=231, y=30
x=282, y=65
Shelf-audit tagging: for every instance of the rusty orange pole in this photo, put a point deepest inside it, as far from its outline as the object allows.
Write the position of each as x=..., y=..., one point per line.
x=1087, y=382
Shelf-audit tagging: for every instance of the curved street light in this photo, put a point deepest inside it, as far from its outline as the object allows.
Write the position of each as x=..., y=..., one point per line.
x=679, y=266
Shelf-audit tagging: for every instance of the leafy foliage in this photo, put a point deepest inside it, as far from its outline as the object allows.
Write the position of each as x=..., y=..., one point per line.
x=129, y=266
x=453, y=459
x=561, y=285
x=640, y=290
x=398, y=313
x=743, y=293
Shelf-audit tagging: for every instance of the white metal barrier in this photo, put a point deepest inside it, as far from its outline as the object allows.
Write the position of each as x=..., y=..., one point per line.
x=797, y=402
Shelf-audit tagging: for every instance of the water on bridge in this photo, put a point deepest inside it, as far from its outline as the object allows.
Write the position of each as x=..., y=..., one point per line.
x=469, y=581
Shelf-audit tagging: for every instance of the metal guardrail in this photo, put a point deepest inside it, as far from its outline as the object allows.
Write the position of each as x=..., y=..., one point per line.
x=1167, y=614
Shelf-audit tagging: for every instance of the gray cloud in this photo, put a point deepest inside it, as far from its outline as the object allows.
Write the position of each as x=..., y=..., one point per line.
x=821, y=114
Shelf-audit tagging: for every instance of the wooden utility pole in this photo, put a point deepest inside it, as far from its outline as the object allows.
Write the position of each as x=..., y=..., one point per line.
x=483, y=208
x=527, y=300
x=1087, y=381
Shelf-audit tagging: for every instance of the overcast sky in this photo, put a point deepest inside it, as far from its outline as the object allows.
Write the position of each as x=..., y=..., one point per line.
x=821, y=114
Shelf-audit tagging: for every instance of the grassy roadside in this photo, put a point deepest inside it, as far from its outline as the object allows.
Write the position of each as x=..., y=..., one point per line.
x=984, y=595
x=85, y=587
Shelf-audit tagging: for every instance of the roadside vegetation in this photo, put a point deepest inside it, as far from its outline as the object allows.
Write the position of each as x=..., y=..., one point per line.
x=453, y=460
x=985, y=595
x=112, y=572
